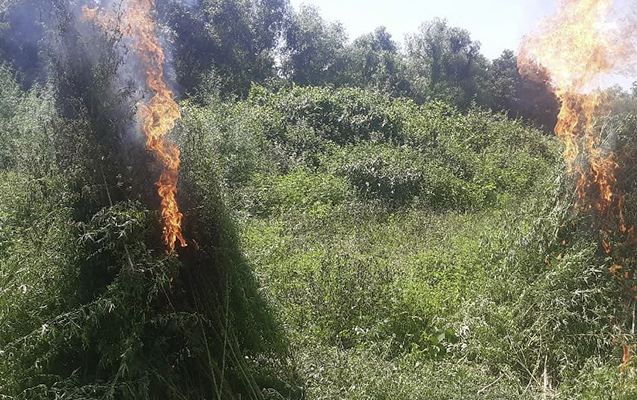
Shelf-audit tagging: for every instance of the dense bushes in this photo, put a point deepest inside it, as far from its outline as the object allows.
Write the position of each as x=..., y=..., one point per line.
x=439, y=241
x=340, y=116
x=389, y=240
x=385, y=248
x=390, y=151
x=90, y=304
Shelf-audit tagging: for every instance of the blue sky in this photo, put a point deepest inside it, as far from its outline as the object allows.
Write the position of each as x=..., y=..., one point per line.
x=497, y=24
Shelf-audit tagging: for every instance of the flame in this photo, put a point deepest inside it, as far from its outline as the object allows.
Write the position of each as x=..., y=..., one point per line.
x=626, y=356
x=160, y=114
x=607, y=247
x=577, y=48
x=615, y=269
x=89, y=14
x=98, y=17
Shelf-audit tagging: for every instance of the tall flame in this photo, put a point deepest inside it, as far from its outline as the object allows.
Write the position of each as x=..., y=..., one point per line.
x=577, y=48
x=160, y=114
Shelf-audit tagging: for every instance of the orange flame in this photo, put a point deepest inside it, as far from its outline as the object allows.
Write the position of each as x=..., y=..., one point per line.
x=577, y=48
x=94, y=14
x=626, y=356
x=160, y=114
x=615, y=269
x=89, y=14
x=607, y=247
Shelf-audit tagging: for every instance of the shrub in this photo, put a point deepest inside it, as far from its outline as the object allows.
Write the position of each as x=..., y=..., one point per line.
x=341, y=116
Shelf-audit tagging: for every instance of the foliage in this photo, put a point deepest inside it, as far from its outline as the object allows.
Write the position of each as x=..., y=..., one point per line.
x=360, y=223
x=454, y=68
x=520, y=96
x=374, y=63
x=314, y=49
x=393, y=152
x=234, y=40
x=91, y=305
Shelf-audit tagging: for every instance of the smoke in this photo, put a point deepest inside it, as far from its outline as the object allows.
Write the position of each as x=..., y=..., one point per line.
x=109, y=64
x=20, y=34
x=105, y=32
x=583, y=44
x=191, y=4
x=133, y=24
x=40, y=38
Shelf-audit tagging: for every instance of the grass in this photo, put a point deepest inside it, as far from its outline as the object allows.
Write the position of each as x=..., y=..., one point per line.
x=365, y=298
x=344, y=245
x=508, y=302
x=416, y=252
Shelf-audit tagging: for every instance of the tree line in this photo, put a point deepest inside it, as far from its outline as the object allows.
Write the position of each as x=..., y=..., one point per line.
x=222, y=47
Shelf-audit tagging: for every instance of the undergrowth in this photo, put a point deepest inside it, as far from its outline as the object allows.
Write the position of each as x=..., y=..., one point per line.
x=416, y=251
x=341, y=244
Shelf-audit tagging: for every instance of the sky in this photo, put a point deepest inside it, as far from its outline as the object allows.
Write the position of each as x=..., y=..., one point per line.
x=496, y=24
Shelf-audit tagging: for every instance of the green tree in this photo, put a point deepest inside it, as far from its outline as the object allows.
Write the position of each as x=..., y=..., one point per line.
x=520, y=96
x=621, y=101
x=445, y=63
x=20, y=31
x=110, y=314
x=375, y=63
x=314, y=49
x=504, y=83
x=231, y=42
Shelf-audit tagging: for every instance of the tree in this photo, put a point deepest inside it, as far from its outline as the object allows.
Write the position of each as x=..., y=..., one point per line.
x=374, y=63
x=444, y=63
x=314, y=50
x=20, y=31
x=232, y=41
x=621, y=101
x=505, y=83
x=114, y=315
x=519, y=96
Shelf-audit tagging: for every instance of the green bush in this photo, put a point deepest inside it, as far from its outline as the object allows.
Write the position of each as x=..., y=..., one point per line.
x=91, y=305
x=299, y=192
x=392, y=152
x=341, y=116
x=390, y=174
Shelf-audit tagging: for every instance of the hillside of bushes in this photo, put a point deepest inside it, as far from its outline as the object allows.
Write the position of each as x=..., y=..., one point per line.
x=416, y=251
x=364, y=219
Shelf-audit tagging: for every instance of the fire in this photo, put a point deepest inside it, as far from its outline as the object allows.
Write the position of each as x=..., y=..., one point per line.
x=159, y=117
x=577, y=48
x=607, y=247
x=160, y=114
x=89, y=14
x=93, y=14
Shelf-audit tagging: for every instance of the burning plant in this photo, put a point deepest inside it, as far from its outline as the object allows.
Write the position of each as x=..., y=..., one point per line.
x=159, y=115
x=577, y=49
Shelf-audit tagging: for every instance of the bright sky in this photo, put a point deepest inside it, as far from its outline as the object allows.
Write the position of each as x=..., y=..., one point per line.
x=497, y=24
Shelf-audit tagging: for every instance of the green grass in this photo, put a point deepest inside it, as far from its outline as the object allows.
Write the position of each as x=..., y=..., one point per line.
x=366, y=297
x=421, y=304
x=342, y=245
x=415, y=251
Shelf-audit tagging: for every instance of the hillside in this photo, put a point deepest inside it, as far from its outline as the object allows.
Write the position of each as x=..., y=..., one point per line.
x=417, y=251
x=228, y=199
